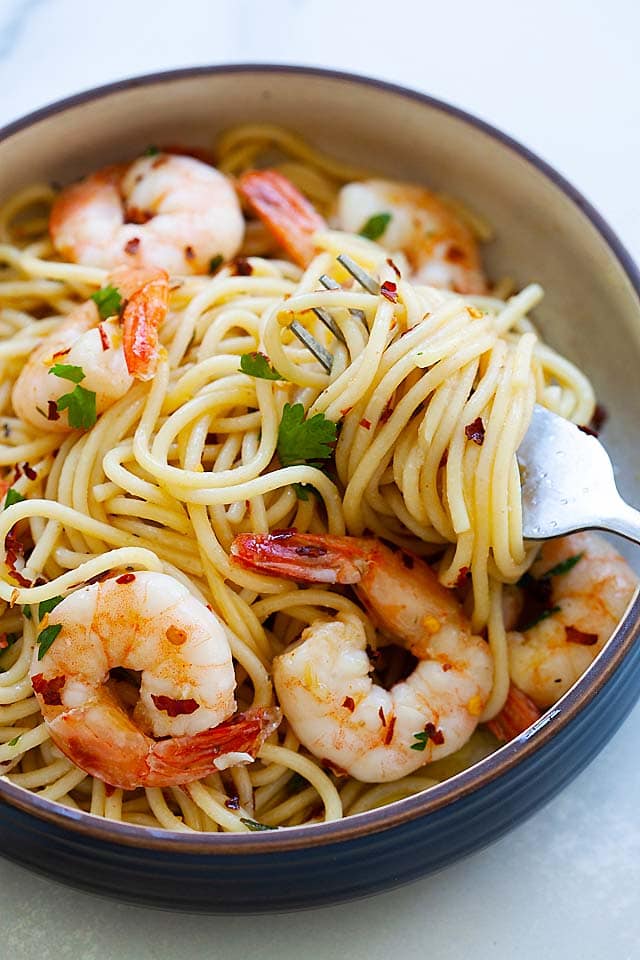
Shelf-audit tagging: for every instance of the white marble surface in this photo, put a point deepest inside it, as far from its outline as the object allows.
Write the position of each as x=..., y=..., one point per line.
x=563, y=77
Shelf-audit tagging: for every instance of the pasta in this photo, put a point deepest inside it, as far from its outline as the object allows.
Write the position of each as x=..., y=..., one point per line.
x=432, y=391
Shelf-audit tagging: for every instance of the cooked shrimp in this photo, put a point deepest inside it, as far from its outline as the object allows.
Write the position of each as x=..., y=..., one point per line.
x=441, y=250
x=150, y=623
x=323, y=681
x=169, y=211
x=585, y=600
x=286, y=212
x=110, y=353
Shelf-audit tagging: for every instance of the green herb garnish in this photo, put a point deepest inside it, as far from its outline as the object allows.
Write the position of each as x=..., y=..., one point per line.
x=80, y=403
x=13, y=742
x=12, y=497
x=421, y=741
x=151, y=151
x=48, y=605
x=108, y=300
x=304, y=441
x=542, y=616
x=46, y=638
x=563, y=567
x=215, y=263
x=257, y=365
x=375, y=226
x=255, y=825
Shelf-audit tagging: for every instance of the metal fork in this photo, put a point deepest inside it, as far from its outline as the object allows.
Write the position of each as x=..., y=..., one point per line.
x=566, y=474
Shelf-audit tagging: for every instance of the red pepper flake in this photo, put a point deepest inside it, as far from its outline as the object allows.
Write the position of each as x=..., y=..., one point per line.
x=175, y=708
x=189, y=252
x=52, y=413
x=126, y=578
x=433, y=734
x=577, y=636
x=242, y=267
x=104, y=339
x=475, y=431
x=109, y=789
x=61, y=353
x=463, y=575
x=389, y=734
x=131, y=246
x=386, y=413
x=455, y=254
x=599, y=418
x=365, y=423
x=99, y=577
x=17, y=473
x=383, y=719
x=209, y=607
x=589, y=432
x=393, y=267
x=346, y=410
x=389, y=291
x=349, y=704
x=30, y=472
x=176, y=635
x=49, y=690
x=20, y=580
x=447, y=666
x=233, y=803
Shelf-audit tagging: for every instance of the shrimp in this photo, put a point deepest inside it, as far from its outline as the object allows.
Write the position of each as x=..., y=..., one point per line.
x=110, y=353
x=440, y=248
x=323, y=681
x=168, y=211
x=582, y=587
x=148, y=622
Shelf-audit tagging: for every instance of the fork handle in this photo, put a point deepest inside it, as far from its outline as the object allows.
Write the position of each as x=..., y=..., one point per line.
x=625, y=520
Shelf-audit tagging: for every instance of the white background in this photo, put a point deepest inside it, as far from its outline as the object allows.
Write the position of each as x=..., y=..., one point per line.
x=564, y=78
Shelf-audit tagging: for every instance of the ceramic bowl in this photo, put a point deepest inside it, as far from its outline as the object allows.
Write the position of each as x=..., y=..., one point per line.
x=545, y=231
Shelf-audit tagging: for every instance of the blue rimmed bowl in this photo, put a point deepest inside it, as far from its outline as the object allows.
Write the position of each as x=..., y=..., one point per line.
x=545, y=231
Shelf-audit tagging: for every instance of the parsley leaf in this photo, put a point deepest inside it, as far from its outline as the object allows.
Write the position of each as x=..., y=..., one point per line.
x=108, y=300
x=563, y=567
x=48, y=605
x=151, y=151
x=12, y=497
x=257, y=365
x=302, y=490
x=301, y=440
x=215, y=262
x=421, y=741
x=542, y=616
x=66, y=371
x=375, y=226
x=255, y=824
x=81, y=405
x=46, y=638
x=26, y=612
x=13, y=742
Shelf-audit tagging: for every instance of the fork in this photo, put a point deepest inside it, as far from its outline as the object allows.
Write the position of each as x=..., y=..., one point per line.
x=566, y=475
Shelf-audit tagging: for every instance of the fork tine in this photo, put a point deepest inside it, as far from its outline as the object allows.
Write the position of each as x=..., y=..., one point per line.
x=329, y=323
x=364, y=279
x=330, y=284
x=320, y=353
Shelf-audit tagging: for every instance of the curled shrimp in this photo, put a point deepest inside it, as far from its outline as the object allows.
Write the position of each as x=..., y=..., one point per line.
x=169, y=211
x=110, y=353
x=582, y=586
x=146, y=622
x=323, y=681
x=440, y=248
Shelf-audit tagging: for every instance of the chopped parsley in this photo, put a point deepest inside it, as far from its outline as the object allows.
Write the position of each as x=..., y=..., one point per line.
x=151, y=151
x=257, y=365
x=255, y=824
x=563, y=567
x=46, y=638
x=108, y=300
x=48, y=605
x=12, y=497
x=304, y=441
x=375, y=226
x=13, y=742
x=543, y=615
x=421, y=741
x=215, y=263
x=80, y=403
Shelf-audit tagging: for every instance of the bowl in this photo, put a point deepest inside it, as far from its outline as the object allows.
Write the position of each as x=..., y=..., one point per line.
x=545, y=231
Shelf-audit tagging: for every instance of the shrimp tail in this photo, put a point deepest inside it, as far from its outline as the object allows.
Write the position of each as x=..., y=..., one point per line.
x=312, y=558
x=286, y=213
x=183, y=759
x=146, y=294
x=518, y=713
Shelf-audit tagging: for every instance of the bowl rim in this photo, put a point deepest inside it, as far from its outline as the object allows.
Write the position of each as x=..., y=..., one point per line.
x=463, y=784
